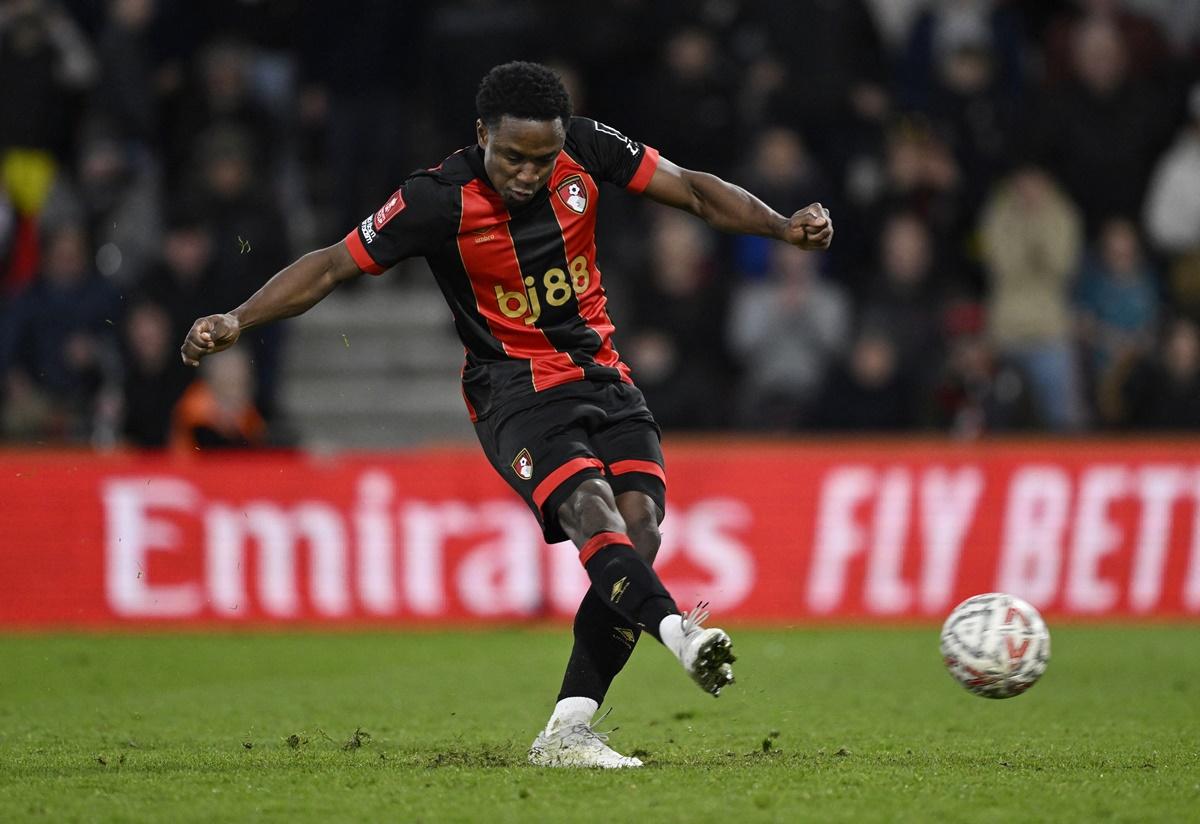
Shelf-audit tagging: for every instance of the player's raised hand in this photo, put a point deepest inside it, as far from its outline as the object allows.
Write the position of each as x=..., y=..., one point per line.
x=209, y=335
x=810, y=228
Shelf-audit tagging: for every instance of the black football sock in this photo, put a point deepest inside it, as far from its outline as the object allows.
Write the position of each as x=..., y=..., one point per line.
x=625, y=582
x=603, y=643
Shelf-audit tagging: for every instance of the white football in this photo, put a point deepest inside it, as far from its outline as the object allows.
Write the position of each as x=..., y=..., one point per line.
x=995, y=645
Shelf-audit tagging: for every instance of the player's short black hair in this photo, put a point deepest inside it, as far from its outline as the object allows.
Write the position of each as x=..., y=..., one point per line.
x=528, y=91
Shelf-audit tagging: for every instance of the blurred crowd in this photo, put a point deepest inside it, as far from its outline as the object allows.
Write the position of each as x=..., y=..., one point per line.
x=1015, y=185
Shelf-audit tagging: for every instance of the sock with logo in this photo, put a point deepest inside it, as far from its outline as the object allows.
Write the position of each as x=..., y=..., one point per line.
x=625, y=582
x=603, y=643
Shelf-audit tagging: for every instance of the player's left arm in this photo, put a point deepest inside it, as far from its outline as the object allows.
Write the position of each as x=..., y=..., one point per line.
x=731, y=208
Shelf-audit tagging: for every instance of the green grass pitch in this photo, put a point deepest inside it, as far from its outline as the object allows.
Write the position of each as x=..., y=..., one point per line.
x=824, y=725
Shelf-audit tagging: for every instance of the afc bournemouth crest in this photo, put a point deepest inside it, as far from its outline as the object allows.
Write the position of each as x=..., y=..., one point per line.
x=523, y=465
x=573, y=193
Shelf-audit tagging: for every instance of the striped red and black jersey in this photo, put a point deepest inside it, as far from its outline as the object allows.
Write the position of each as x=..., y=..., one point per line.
x=523, y=284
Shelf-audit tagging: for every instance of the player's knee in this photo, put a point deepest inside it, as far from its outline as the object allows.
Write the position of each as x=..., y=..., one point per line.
x=641, y=516
x=646, y=538
x=591, y=509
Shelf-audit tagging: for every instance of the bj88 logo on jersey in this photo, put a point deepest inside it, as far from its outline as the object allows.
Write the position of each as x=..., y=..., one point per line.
x=554, y=289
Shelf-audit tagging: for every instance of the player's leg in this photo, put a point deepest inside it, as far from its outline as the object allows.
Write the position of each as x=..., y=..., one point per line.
x=543, y=453
x=629, y=586
x=604, y=639
x=629, y=443
x=626, y=595
x=623, y=579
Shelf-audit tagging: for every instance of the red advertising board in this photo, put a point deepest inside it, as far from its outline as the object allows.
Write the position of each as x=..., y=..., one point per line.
x=765, y=531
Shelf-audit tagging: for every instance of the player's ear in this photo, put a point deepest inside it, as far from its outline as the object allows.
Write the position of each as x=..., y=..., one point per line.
x=481, y=133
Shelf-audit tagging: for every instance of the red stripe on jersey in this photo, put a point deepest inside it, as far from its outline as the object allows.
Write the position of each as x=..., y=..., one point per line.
x=487, y=255
x=359, y=252
x=645, y=171
x=645, y=467
x=490, y=260
x=559, y=476
x=579, y=240
x=554, y=369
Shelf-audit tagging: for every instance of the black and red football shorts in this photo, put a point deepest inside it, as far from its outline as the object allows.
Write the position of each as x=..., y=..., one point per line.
x=575, y=431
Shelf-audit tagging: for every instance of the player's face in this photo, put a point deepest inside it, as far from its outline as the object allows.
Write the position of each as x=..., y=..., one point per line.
x=519, y=155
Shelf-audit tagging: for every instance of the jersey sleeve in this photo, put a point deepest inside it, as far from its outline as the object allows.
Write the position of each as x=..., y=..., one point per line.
x=611, y=156
x=411, y=223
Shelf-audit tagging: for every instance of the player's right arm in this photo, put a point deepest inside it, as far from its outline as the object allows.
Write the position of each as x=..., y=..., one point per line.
x=293, y=291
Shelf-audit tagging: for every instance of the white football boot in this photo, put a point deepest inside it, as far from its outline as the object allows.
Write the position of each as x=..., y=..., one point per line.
x=706, y=654
x=577, y=745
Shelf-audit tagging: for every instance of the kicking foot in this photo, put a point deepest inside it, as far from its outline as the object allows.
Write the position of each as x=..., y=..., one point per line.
x=705, y=653
x=577, y=745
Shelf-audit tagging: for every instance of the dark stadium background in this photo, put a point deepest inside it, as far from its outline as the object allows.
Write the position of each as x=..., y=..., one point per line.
x=1015, y=187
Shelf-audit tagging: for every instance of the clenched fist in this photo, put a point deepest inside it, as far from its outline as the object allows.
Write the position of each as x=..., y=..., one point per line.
x=810, y=228
x=208, y=335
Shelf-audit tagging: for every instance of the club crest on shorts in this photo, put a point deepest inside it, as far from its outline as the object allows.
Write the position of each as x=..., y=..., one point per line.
x=523, y=465
x=573, y=193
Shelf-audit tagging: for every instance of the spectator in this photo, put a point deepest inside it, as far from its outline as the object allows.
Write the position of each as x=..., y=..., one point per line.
x=127, y=91
x=153, y=380
x=57, y=342
x=1117, y=304
x=1162, y=391
x=217, y=410
x=121, y=195
x=1032, y=239
x=978, y=393
x=1141, y=38
x=690, y=102
x=921, y=176
x=45, y=62
x=1100, y=133
x=869, y=392
x=953, y=26
x=905, y=297
x=182, y=282
x=1172, y=213
x=676, y=351
x=848, y=95
x=786, y=331
x=979, y=114
x=223, y=103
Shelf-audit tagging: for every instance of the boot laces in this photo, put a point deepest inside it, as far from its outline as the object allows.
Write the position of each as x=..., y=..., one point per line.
x=693, y=618
x=586, y=731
